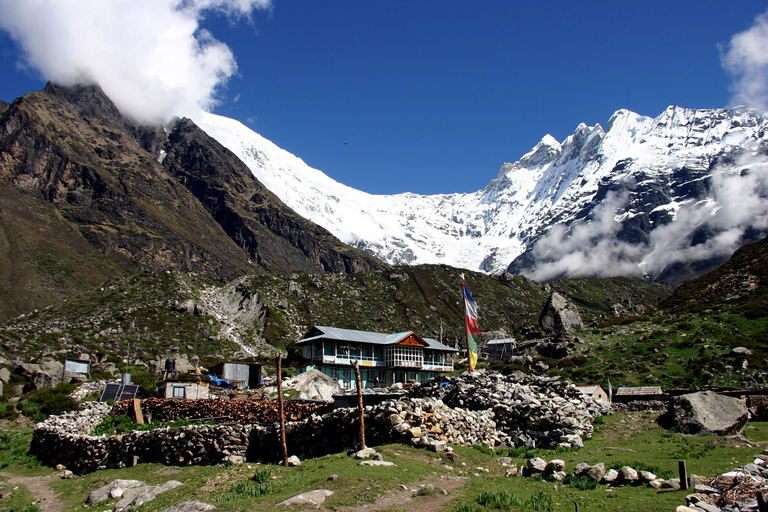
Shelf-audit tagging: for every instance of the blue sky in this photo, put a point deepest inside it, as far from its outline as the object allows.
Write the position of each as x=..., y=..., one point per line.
x=433, y=96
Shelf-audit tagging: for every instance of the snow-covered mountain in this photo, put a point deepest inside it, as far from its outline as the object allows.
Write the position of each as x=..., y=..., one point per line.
x=638, y=196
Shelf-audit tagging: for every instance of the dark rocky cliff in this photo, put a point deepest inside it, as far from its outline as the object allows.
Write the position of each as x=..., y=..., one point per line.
x=100, y=200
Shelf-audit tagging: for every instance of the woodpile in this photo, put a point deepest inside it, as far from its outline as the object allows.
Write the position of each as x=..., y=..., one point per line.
x=255, y=412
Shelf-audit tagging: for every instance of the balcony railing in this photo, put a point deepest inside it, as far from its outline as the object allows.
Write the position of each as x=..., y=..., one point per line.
x=437, y=366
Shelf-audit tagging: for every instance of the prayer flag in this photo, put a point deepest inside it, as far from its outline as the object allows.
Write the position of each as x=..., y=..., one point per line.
x=473, y=331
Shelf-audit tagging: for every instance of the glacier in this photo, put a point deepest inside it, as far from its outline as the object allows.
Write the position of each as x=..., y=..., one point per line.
x=656, y=165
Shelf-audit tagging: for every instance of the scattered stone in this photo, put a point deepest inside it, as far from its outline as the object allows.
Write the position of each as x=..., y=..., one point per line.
x=628, y=474
x=190, y=506
x=365, y=453
x=554, y=466
x=316, y=497
x=376, y=463
x=114, y=489
x=596, y=472
x=293, y=460
x=610, y=476
x=137, y=496
x=536, y=465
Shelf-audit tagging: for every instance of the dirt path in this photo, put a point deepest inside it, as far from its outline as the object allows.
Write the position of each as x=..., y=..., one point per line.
x=39, y=489
x=430, y=503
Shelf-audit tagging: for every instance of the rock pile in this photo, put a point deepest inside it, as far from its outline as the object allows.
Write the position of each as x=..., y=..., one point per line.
x=527, y=410
x=76, y=423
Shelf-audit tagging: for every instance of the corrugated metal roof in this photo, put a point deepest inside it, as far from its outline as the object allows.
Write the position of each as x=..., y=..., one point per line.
x=374, y=338
x=503, y=341
x=587, y=390
x=436, y=345
x=640, y=390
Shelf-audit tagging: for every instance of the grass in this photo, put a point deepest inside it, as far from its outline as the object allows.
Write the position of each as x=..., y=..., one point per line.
x=633, y=439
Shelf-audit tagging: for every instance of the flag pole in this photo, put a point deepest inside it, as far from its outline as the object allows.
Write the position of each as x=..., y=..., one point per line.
x=470, y=320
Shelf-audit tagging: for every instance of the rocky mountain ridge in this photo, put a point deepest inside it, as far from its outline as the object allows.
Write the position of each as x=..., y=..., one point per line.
x=602, y=202
x=88, y=195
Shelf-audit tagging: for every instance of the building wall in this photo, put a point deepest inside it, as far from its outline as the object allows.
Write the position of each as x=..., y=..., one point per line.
x=191, y=390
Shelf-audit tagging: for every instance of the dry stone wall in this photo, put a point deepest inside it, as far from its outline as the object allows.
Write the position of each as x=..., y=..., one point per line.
x=477, y=408
x=65, y=440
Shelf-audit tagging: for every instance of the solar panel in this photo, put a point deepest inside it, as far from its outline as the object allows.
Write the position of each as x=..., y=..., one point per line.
x=129, y=392
x=110, y=392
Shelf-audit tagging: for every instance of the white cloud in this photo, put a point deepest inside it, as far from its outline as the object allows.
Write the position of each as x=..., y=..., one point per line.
x=149, y=56
x=737, y=203
x=745, y=58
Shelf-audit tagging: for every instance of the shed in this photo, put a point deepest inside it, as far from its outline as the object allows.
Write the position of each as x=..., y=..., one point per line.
x=629, y=394
x=240, y=375
x=594, y=392
x=185, y=390
x=501, y=348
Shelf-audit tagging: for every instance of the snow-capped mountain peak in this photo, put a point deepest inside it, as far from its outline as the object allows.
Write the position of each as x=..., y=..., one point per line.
x=653, y=165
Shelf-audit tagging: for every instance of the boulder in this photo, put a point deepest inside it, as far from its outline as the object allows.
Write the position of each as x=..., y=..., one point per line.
x=596, y=472
x=610, y=476
x=190, y=506
x=114, y=489
x=560, y=316
x=316, y=497
x=536, y=465
x=707, y=413
x=628, y=474
x=314, y=384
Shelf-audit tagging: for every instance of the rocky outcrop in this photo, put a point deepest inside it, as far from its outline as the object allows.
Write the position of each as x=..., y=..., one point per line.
x=707, y=413
x=82, y=182
x=560, y=316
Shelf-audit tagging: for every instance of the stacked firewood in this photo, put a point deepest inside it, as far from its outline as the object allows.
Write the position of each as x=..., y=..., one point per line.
x=239, y=411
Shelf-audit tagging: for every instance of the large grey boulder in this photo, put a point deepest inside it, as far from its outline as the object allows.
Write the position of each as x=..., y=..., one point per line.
x=707, y=413
x=191, y=506
x=114, y=489
x=315, y=384
x=560, y=316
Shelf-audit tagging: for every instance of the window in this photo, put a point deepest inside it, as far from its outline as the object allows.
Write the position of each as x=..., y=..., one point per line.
x=410, y=357
x=180, y=392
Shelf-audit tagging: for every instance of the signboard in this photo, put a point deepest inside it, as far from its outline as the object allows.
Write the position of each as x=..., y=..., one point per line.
x=77, y=366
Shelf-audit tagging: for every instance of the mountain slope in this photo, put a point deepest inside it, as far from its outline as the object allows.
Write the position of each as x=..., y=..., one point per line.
x=622, y=184
x=741, y=282
x=98, y=184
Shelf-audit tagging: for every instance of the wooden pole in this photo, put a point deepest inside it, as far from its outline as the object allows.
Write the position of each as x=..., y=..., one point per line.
x=683, y=474
x=360, y=406
x=281, y=408
x=761, y=502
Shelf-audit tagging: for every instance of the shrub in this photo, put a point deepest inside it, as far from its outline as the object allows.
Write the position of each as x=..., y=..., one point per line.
x=262, y=475
x=42, y=403
x=500, y=499
x=581, y=482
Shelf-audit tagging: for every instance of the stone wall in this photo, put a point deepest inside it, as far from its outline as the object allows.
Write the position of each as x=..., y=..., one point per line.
x=478, y=408
x=65, y=440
